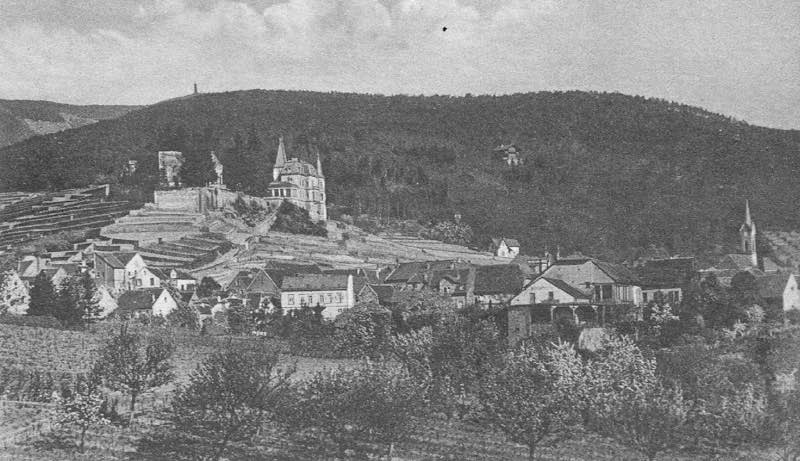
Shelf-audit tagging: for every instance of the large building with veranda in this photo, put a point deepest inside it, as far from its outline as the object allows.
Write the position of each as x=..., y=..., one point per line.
x=299, y=183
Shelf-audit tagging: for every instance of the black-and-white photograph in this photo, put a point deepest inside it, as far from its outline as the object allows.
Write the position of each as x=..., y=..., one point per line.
x=402, y=230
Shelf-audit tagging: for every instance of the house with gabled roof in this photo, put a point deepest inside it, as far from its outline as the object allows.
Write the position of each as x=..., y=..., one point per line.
x=124, y=270
x=666, y=278
x=332, y=294
x=146, y=302
x=779, y=291
x=504, y=247
x=497, y=284
x=605, y=282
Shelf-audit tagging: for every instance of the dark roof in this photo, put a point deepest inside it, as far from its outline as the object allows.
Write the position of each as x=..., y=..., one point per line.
x=24, y=265
x=403, y=272
x=617, y=272
x=240, y=281
x=138, y=300
x=314, y=282
x=734, y=261
x=262, y=283
x=666, y=273
x=567, y=288
x=158, y=273
x=186, y=296
x=506, y=278
x=772, y=286
x=385, y=293
x=116, y=259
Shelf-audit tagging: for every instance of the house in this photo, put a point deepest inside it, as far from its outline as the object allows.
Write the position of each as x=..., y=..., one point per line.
x=546, y=290
x=607, y=283
x=146, y=302
x=256, y=285
x=105, y=302
x=509, y=153
x=666, y=278
x=455, y=283
x=124, y=270
x=181, y=280
x=416, y=275
x=779, y=291
x=505, y=247
x=333, y=293
x=385, y=294
x=497, y=284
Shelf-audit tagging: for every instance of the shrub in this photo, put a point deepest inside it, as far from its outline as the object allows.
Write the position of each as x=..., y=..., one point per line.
x=295, y=220
x=363, y=331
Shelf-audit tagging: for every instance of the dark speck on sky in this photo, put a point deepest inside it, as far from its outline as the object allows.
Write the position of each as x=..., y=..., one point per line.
x=444, y=29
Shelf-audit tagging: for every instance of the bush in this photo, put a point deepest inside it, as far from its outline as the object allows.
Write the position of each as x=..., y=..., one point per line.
x=295, y=220
x=364, y=331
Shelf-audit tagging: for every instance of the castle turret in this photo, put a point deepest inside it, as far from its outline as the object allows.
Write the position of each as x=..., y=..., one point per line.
x=319, y=166
x=280, y=160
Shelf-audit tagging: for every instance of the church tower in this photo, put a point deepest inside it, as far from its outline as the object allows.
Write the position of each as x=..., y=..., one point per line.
x=747, y=235
x=280, y=160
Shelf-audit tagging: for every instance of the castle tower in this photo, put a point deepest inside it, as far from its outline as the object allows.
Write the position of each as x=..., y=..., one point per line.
x=280, y=160
x=195, y=88
x=747, y=235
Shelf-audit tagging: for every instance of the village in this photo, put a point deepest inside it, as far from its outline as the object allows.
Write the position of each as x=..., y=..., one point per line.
x=187, y=250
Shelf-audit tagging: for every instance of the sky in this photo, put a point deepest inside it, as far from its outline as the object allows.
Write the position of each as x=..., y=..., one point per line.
x=739, y=58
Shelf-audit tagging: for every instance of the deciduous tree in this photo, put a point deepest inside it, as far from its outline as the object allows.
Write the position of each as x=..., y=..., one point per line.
x=134, y=364
x=230, y=395
x=43, y=296
x=82, y=409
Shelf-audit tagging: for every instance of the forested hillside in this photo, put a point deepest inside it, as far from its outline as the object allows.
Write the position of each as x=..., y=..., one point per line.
x=606, y=174
x=20, y=120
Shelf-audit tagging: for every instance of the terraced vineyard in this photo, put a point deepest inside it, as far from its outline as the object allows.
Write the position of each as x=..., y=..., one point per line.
x=28, y=216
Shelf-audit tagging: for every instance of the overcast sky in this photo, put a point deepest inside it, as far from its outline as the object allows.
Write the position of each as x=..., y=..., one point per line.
x=740, y=58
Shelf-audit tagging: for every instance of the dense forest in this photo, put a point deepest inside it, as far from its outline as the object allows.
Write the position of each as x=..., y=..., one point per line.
x=606, y=174
x=21, y=119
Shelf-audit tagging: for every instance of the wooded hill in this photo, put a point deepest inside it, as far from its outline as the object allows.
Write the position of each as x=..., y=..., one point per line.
x=20, y=120
x=606, y=174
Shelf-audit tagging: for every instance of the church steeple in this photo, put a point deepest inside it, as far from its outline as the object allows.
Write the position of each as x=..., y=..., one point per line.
x=747, y=234
x=280, y=160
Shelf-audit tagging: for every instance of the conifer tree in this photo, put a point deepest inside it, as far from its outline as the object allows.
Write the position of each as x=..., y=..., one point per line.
x=43, y=296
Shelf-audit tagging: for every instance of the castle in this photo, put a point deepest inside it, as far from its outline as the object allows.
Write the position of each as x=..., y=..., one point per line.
x=299, y=183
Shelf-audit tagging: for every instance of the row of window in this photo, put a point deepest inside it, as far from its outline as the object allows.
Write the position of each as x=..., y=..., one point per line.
x=314, y=299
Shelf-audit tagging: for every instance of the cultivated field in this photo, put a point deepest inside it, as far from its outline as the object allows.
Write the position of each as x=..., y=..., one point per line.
x=25, y=432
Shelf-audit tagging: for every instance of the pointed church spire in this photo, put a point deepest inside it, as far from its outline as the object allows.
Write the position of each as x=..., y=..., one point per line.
x=747, y=219
x=319, y=165
x=280, y=160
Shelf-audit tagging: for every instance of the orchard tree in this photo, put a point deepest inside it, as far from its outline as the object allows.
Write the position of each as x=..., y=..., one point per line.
x=374, y=402
x=534, y=396
x=82, y=409
x=230, y=395
x=134, y=364
x=625, y=399
x=43, y=299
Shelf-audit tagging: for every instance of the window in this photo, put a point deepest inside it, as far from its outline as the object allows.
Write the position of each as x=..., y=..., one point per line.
x=533, y=298
x=644, y=296
x=329, y=297
x=338, y=297
x=302, y=300
x=606, y=292
x=152, y=282
x=290, y=300
x=550, y=295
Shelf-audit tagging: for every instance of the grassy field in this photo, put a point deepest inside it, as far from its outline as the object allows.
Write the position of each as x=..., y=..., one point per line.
x=434, y=439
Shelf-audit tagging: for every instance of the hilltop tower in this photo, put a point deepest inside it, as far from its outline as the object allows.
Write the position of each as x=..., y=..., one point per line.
x=299, y=183
x=195, y=88
x=747, y=235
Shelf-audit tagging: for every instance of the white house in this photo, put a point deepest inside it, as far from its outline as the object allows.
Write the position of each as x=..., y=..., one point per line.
x=333, y=293
x=505, y=247
x=607, y=283
x=545, y=290
x=779, y=291
x=164, y=303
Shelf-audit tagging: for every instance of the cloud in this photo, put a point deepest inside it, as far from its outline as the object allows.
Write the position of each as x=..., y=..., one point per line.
x=739, y=59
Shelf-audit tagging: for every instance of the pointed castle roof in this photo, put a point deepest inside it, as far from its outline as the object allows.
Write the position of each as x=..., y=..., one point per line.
x=280, y=160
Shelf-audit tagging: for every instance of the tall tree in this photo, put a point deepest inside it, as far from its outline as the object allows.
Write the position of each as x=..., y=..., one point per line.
x=43, y=299
x=77, y=300
x=134, y=364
